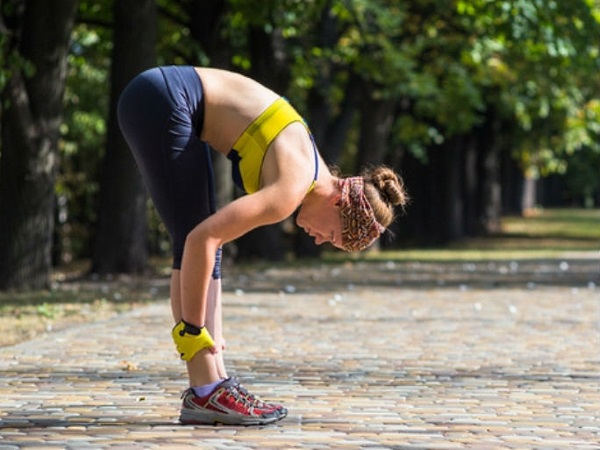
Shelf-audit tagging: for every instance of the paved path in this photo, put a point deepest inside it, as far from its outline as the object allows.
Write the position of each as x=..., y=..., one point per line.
x=366, y=359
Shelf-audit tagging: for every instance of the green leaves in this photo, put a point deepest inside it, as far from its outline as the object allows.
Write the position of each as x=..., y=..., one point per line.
x=445, y=64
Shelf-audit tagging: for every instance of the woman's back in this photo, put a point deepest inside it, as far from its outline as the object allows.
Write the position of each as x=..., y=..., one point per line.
x=231, y=102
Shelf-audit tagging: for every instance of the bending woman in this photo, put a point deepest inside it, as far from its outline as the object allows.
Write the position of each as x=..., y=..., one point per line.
x=171, y=117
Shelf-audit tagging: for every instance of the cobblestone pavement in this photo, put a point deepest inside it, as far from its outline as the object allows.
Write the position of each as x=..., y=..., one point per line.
x=388, y=356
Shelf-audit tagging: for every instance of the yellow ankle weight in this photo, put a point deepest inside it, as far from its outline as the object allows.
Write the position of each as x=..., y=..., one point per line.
x=189, y=343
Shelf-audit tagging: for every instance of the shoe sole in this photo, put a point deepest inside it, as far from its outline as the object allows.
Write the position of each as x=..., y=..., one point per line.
x=188, y=417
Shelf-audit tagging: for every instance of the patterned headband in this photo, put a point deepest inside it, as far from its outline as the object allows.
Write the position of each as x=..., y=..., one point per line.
x=359, y=226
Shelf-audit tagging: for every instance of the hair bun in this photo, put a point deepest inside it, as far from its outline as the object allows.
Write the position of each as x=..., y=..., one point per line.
x=389, y=185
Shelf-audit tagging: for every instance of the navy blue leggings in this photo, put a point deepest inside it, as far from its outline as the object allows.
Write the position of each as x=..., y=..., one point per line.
x=161, y=114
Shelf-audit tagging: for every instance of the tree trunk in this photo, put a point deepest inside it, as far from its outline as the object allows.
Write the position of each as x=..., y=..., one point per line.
x=32, y=100
x=122, y=226
x=376, y=119
x=270, y=62
x=512, y=184
x=206, y=24
x=441, y=202
x=331, y=123
x=453, y=224
x=491, y=196
x=421, y=225
x=336, y=133
x=529, y=197
x=471, y=186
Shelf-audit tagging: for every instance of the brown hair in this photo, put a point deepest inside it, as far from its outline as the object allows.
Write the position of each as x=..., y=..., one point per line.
x=384, y=189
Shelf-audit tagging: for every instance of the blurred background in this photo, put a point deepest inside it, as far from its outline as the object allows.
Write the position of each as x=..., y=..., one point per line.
x=488, y=109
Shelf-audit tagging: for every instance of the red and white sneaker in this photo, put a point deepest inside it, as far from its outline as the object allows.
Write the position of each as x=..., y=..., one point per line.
x=280, y=410
x=225, y=405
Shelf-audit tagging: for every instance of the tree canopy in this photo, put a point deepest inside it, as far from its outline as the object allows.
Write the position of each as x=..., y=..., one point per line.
x=466, y=98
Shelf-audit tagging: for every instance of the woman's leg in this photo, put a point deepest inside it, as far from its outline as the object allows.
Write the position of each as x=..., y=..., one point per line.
x=214, y=322
x=177, y=169
x=205, y=368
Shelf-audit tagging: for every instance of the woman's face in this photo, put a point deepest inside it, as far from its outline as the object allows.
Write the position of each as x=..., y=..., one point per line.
x=324, y=223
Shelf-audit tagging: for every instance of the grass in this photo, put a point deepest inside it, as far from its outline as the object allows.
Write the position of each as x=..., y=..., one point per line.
x=554, y=233
x=24, y=315
x=568, y=224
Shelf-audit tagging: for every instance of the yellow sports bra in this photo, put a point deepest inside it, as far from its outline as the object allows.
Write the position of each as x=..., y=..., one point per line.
x=249, y=150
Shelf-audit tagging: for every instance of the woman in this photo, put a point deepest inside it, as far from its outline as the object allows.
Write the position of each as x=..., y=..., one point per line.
x=170, y=117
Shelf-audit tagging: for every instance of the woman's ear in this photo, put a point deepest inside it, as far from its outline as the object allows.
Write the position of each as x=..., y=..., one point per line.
x=336, y=200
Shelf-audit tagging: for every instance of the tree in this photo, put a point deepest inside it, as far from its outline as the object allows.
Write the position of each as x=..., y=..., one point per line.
x=121, y=244
x=83, y=134
x=464, y=98
x=536, y=65
x=35, y=53
x=506, y=80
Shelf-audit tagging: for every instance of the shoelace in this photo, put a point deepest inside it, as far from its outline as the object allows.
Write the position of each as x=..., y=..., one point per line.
x=233, y=392
x=251, y=398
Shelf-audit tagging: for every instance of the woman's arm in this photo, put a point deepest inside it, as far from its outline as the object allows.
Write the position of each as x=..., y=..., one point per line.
x=287, y=173
x=267, y=206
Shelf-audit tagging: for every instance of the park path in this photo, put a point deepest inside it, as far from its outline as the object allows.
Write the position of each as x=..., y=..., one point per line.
x=388, y=356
